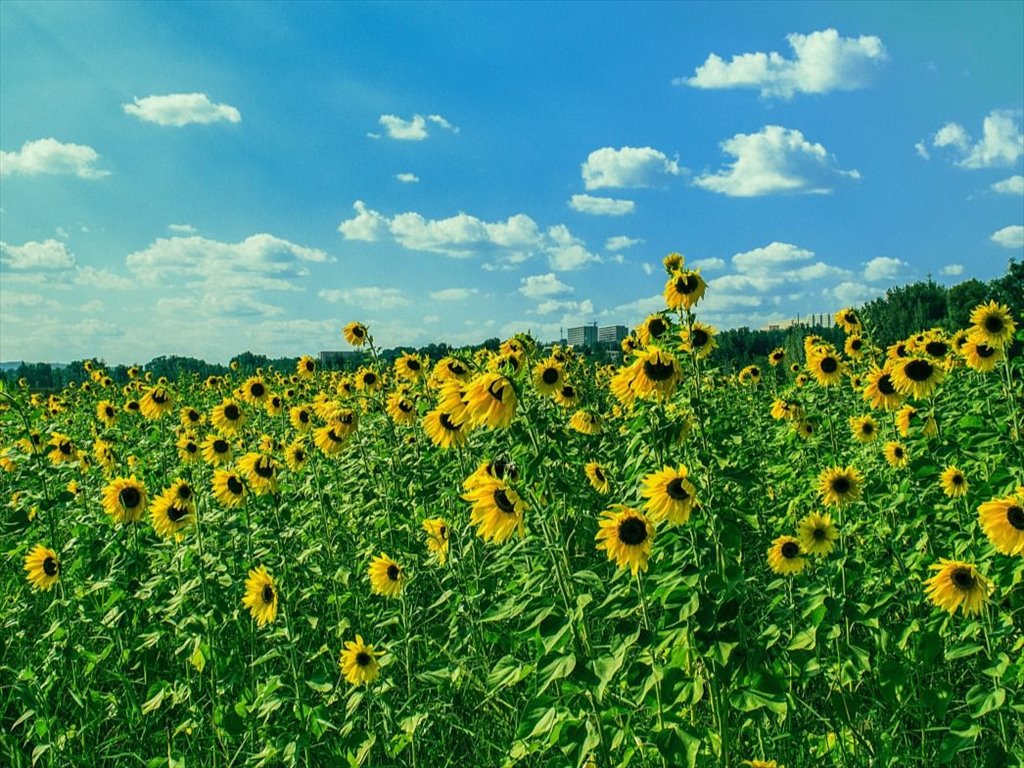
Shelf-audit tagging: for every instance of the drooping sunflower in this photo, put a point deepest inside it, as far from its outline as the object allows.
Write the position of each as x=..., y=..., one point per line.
x=356, y=334
x=331, y=438
x=62, y=449
x=498, y=511
x=751, y=375
x=699, y=340
x=173, y=510
x=295, y=455
x=260, y=472
x=657, y=374
x=124, y=499
x=839, y=486
x=227, y=418
x=42, y=567
x=490, y=401
x=449, y=368
x=673, y=262
x=881, y=390
x=586, y=422
x=567, y=396
x=864, y=428
x=627, y=535
x=826, y=367
x=957, y=585
x=1002, y=520
x=548, y=376
x=953, y=482
x=785, y=556
x=106, y=412
x=104, y=454
x=358, y=662
x=896, y=455
x=437, y=532
x=848, y=320
x=982, y=357
x=917, y=376
x=228, y=488
x=992, y=324
x=670, y=495
x=261, y=596
x=652, y=328
x=216, y=451
x=409, y=367
x=443, y=429
x=156, y=403
x=386, y=576
x=621, y=384
x=306, y=367
x=598, y=477
x=487, y=471
x=684, y=288
x=817, y=534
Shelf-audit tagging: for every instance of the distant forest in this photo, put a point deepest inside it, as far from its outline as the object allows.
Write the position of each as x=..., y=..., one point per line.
x=889, y=318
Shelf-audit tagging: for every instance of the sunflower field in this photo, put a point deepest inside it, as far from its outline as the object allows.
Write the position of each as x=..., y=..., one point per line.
x=526, y=558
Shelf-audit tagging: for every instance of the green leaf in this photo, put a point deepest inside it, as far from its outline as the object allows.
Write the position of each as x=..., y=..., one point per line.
x=962, y=734
x=508, y=671
x=962, y=651
x=983, y=699
x=556, y=670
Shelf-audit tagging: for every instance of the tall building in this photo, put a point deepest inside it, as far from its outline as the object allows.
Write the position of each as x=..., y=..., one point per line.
x=612, y=334
x=582, y=336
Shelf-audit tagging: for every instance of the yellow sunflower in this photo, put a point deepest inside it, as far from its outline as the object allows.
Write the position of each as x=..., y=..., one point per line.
x=957, y=585
x=490, y=401
x=548, y=376
x=981, y=357
x=699, y=340
x=124, y=499
x=896, y=454
x=909, y=416
x=156, y=403
x=106, y=412
x=586, y=422
x=401, y=408
x=652, y=328
x=443, y=429
x=274, y=405
x=261, y=596
x=498, y=511
x=598, y=477
x=670, y=496
x=750, y=375
x=254, y=390
x=386, y=576
x=826, y=367
x=173, y=510
x=1002, y=520
x=627, y=535
x=817, y=534
x=295, y=455
x=437, y=532
x=953, y=482
x=331, y=438
x=917, y=376
x=228, y=488
x=356, y=334
x=368, y=380
x=409, y=367
x=785, y=556
x=684, y=288
x=451, y=368
x=848, y=320
x=227, y=418
x=306, y=367
x=839, y=486
x=657, y=374
x=358, y=662
x=993, y=324
x=260, y=472
x=673, y=262
x=864, y=428
x=63, y=450
x=42, y=567
x=881, y=390
x=854, y=347
x=300, y=418
x=499, y=469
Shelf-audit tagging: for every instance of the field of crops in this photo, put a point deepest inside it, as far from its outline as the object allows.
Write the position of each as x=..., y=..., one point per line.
x=525, y=558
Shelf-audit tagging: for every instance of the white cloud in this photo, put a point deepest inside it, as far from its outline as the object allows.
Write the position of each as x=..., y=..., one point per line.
x=539, y=286
x=28, y=300
x=822, y=62
x=883, y=268
x=601, y=206
x=367, y=225
x=620, y=243
x=185, y=229
x=922, y=150
x=769, y=258
x=1001, y=144
x=566, y=252
x=103, y=278
x=709, y=265
x=370, y=296
x=647, y=267
x=52, y=157
x=585, y=307
x=1009, y=237
x=772, y=161
x=850, y=293
x=452, y=294
x=47, y=255
x=952, y=135
x=180, y=109
x=431, y=319
x=411, y=130
x=626, y=167
x=952, y=269
x=1011, y=186
x=407, y=178
x=443, y=123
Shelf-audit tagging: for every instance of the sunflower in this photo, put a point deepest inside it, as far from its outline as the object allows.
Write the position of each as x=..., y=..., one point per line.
x=881, y=390
x=776, y=356
x=957, y=585
x=254, y=390
x=992, y=324
x=499, y=469
x=124, y=499
x=104, y=454
x=598, y=477
x=953, y=482
x=865, y=428
x=300, y=418
x=908, y=416
x=670, y=496
x=817, y=534
x=190, y=418
x=156, y=403
x=63, y=450
x=839, y=486
x=173, y=510
x=548, y=376
x=306, y=367
x=621, y=384
x=437, y=532
x=630, y=344
x=826, y=367
x=106, y=412
x=216, y=451
x=331, y=438
x=367, y=380
x=749, y=375
x=449, y=368
x=42, y=567
x=1002, y=520
x=358, y=662
x=854, y=347
x=274, y=405
x=917, y=376
x=787, y=409
x=762, y=764
x=498, y=511
x=981, y=357
x=228, y=488
x=586, y=422
x=673, y=262
x=386, y=576
x=684, y=288
x=699, y=340
x=443, y=429
x=785, y=556
x=848, y=320
x=490, y=401
x=896, y=455
x=356, y=334
x=260, y=472
x=652, y=328
x=627, y=535
x=295, y=455
x=657, y=374
x=227, y=418
x=261, y=596
x=409, y=367
x=804, y=429
x=567, y=396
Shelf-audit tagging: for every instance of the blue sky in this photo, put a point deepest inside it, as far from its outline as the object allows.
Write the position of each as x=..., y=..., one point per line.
x=203, y=179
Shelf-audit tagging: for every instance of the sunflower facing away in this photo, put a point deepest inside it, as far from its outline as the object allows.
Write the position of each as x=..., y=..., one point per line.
x=386, y=576
x=839, y=486
x=358, y=662
x=124, y=499
x=1002, y=520
x=261, y=596
x=817, y=534
x=598, y=477
x=785, y=556
x=670, y=496
x=498, y=511
x=627, y=535
x=957, y=585
x=953, y=482
x=42, y=567
x=437, y=532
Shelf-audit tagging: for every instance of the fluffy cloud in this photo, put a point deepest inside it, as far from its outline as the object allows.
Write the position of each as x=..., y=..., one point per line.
x=366, y=225
x=822, y=62
x=407, y=178
x=883, y=268
x=1011, y=186
x=370, y=296
x=626, y=167
x=185, y=229
x=1009, y=237
x=541, y=286
x=571, y=308
x=411, y=130
x=178, y=109
x=850, y=293
x=620, y=243
x=34, y=256
x=566, y=252
x=51, y=157
x=1001, y=143
x=770, y=257
x=775, y=160
x=452, y=294
x=709, y=265
x=952, y=269
x=601, y=206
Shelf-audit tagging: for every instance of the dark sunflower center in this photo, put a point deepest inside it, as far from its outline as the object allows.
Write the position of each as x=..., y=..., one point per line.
x=658, y=371
x=456, y=367
x=220, y=446
x=599, y=474
x=686, y=284
x=129, y=497
x=675, y=490
x=268, y=594
x=333, y=436
x=840, y=485
x=412, y=365
x=159, y=397
x=856, y=344
x=176, y=514
x=994, y=324
x=369, y=378
x=362, y=659
x=231, y=412
x=829, y=364
x=235, y=485
x=700, y=337
x=275, y=401
x=957, y=479
x=818, y=534
x=50, y=566
x=404, y=406
x=191, y=447
x=918, y=370
x=133, y=406
x=193, y=415
x=497, y=389
x=264, y=468
x=502, y=502
x=299, y=455
x=443, y=532
x=109, y=412
x=64, y=447
x=985, y=351
x=962, y=578
x=304, y=416
x=885, y=385
x=393, y=572
x=1015, y=517
x=256, y=389
x=867, y=428
x=446, y=422
x=898, y=453
x=568, y=392
x=656, y=327
x=184, y=492
x=936, y=348
x=310, y=366
x=358, y=331
x=850, y=318
x=790, y=550
x=550, y=376
x=632, y=531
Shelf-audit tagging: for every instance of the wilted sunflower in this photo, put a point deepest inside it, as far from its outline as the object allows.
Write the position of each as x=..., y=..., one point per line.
x=673, y=262
x=437, y=532
x=386, y=576
x=864, y=428
x=992, y=324
x=826, y=367
x=657, y=374
x=652, y=328
x=156, y=403
x=981, y=357
x=42, y=567
x=173, y=510
x=627, y=535
x=817, y=534
x=699, y=340
x=443, y=430
x=598, y=477
x=124, y=499
x=261, y=596
x=227, y=418
x=585, y=422
x=62, y=449
x=684, y=288
x=670, y=496
x=306, y=367
x=953, y=482
x=957, y=585
x=917, y=376
x=260, y=471
x=409, y=367
x=548, y=376
x=1002, y=520
x=106, y=412
x=848, y=320
x=216, y=451
x=358, y=662
x=881, y=390
x=749, y=375
x=356, y=334
x=896, y=455
x=785, y=556
x=490, y=401
x=776, y=356
x=498, y=511
x=228, y=488
x=839, y=486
